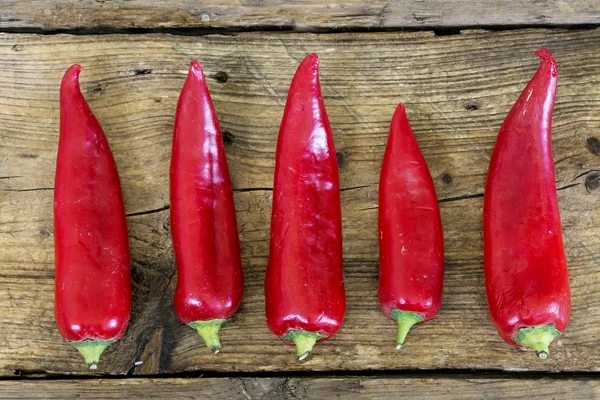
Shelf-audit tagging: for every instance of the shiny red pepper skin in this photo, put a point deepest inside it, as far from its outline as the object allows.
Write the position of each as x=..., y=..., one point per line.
x=210, y=280
x=93, y=280
x=411, y=242
x=525, y=269
x=304, y=284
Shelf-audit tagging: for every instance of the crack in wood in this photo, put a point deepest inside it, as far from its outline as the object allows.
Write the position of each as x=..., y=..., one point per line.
x=586, y=172
x=252, y=189
x=568, y=186
x=243, y=190
x=480, y=195
x=458, y=198
x=244, y=389
x=28, y=190
x=153, y=211
x=367, y=208
x=357, y=187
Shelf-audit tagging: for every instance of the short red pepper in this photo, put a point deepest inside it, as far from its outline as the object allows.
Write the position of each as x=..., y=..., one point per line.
x=304, y=284
x=210, y=280
x=525, y=269
x=93, y=279
x=411, y=242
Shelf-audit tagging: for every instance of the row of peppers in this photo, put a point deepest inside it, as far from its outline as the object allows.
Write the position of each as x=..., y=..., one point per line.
x=525, y=269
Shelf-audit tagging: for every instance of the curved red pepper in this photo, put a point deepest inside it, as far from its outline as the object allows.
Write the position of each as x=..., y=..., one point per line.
x=411, y=242
x=304, y=284
x=525, y=269
x=210, y=279
x=93, y=279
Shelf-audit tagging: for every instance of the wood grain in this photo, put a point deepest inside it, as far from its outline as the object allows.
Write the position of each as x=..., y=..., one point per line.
x=298, y=15
x=304, y=388
x=457, y=89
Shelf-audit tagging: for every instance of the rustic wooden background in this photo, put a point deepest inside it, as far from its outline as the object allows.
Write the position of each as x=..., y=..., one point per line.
x=458, y=85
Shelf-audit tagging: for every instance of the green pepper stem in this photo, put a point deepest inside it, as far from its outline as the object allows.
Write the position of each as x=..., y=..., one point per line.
x=91, y=350
x=405, y=321
x=304, y=342
x=209, y=330
x=538, y=338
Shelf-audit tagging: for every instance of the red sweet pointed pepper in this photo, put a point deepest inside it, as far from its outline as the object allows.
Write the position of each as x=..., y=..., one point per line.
x=525, y=269
x=93, y=280
x=304, y=284
x=210, y=280
x=411, y=242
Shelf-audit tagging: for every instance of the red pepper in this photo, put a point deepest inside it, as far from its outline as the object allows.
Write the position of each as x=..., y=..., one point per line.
x=525, y=269
x=411, y=242
x=93, y=279
x=304, y=285
x=210, y=279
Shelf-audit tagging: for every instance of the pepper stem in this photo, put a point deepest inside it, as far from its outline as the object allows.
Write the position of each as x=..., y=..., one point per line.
x=91, y=350
x=538, y=338
x=304, y=342
x=209, y=330
x=405, y=321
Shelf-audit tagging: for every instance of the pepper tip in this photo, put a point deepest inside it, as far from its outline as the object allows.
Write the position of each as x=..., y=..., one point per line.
x=91, y=350
x=542, y=354
x=312, y=59
x=406, y=320
x=209, y=331
x=72, y=73
x=537, y=338
x=546, y=56
x=304, y=342
x=196, y=69
x=400, y=110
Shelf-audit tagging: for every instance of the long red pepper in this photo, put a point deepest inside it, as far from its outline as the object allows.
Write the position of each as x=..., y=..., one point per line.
x=210, y=281
x=93, y=280
x=525, y=269
x=304, y=284
x=411, y=242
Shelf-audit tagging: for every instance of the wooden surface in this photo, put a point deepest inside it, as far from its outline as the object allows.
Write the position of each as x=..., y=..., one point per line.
x=299, y=15
x=304, y=388
x=457, y=89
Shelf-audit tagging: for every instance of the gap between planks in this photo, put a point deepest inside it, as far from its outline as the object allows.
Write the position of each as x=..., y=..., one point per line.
x=25, y=375
x=299, y=16
x=232, y=31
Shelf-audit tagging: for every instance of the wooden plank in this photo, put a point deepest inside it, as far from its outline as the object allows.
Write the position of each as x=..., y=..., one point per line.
x=304, y=388
x=458, y=90
x=299, y=15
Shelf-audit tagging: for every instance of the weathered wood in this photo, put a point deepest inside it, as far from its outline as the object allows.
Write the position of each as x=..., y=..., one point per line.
x=457, y=89
x=299, y=15
x=304, y=388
